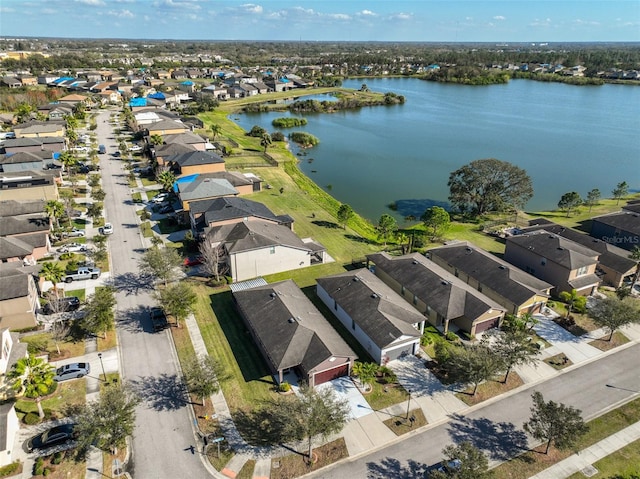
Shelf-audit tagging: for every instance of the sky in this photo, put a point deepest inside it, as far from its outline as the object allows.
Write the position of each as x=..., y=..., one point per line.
x=327, y=20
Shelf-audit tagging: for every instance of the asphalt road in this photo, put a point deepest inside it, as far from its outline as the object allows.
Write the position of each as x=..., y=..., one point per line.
x=163, y=433
x=497, y=427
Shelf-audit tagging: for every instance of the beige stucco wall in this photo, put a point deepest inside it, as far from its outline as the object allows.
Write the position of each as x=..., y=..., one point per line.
x=252, y=264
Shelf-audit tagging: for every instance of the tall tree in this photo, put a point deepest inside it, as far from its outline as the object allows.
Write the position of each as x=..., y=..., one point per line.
x=162, y=263
x=471, y=364
x=470, y=462
x=436, y=220
x=613, y=313
x=166, y=178
x=98, y=312
x=54, y=272
x=107, y=422
x=345, y=213
x=54, y=209
x=178, y=300
x=215, y=129
x=387, y=226
x=569, y=202
x=94, y=210
x=592, y=199
x=201, y=375
x=366, y=372
x=32, y=377
x=489, y=185
x=212, y=259
x=313, y=413
x=555, y=423
x=620, y=191
x=68, y=160
x=265, y=141
x=513, y=348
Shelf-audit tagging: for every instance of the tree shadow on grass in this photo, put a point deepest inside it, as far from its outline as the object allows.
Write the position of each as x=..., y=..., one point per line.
x=326, y=224
x=163, y=393
x=360, y=239
x=259, y=427
x=499, y=440
x=390, y=467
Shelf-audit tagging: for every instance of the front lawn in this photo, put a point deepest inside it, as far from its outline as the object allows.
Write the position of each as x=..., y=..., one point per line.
x=296, y=465
x=43, y=343
x=622, y=463
x=604, y=344
x=490, y=389
x=402, y=425
x=67, y=393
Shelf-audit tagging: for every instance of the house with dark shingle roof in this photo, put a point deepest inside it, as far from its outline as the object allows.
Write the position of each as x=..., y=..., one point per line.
x=34, y=145
x=18, y=298
x=193, y=162
x=383, y=323
x=614, y=264
x=292, y=334
x=446, y=301
x=258, y=248
x=559, y=261
x=513, y=289
x=218, y=211
x=621, y=229
x=187, y=138
x=25, y=161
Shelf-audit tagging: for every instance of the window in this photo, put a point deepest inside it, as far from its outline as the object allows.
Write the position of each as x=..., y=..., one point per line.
x=335, y=305
x=272, y=250
x=415, y=299
x=582, y=271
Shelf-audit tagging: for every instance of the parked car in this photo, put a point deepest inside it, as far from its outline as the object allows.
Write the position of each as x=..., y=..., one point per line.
x=193, y=261
x=74, y=233
x=72, y=248
x=159, y=198
x=62, y=305
x=450, y=466
x=72, y=371
x=102, y=149
x=135, y=148
x=116, y=154
x=158, y=319
x=80, y=149
x=55, y=436
x=107, y=229
x=168, y=208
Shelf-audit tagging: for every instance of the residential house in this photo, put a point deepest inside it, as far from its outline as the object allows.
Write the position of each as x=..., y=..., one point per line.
x=28, y=80
x=291, y=334
x=621, y=229
x=25, y=161
x=202, y=187
x=28, y=185
x=166, y=127
x=194, y=162
x=444, y=300
x=38, y=129
x=614, y=264
x=18, y=297
x=217, y=91
x=187, y=138
x=9, y=427
x=164, y=151
x=187, y=86
x=375, y=315
x=513, y=289
x=230, y=210
x=56, y=111
x=242, y=183
x=52, y=144
x=561, y=262
x=10, y=82
x=74, y=99
x=27, y=232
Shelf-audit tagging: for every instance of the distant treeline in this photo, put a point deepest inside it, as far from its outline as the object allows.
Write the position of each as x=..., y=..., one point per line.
x=477, y=76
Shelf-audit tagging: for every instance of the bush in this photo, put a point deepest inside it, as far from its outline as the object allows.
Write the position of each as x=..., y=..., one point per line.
x=145, y=215
x=303, y=139
x=38, y=467
x=288, y=122
x=277, y=136
x=57, y=457
x=31, y=418
x=38, y=345
x=425, y=340
x=284, y=387
x=9, y=469
x=451, y=336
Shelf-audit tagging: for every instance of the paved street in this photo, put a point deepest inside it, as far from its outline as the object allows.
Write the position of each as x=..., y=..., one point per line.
x=163, y=434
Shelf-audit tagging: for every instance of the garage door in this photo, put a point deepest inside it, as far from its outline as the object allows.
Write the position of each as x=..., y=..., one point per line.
x=396, y=353
x=329, y=374
x=492, y=323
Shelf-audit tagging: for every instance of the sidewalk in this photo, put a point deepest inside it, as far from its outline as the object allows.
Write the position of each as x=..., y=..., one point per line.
x=584, y=460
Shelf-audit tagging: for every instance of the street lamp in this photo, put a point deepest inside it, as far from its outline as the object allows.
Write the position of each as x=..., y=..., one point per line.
x=408, y=403
x=102, y=365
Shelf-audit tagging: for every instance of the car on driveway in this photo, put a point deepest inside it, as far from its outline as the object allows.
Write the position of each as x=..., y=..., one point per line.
x=72, y=248
x=450, y=467
x=159, y=198
x=74, y=233
x=193, y=261
x=61, y=305
x=168, y=208
x=62, y=434
x=72, y=371
x=135, y=148
x=107, y=229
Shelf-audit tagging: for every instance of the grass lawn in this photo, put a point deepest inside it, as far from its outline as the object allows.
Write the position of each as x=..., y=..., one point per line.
x=67, y=468
x=137, y=197
x=296, y=465
x=531, y=463
x=385, y=395
x=489, y=389
x=247, y=470
x=148, y=182
x=67, y=393
x=109, y=342
x=44, y=343
x=400, y=425
x=559, y=361
x=603, y=344
x=622, y=463
x=80, y=293
x=147, y=232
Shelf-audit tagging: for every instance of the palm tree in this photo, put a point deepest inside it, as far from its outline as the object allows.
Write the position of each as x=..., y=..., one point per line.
x=166, y=178
x=68, y=160
x=366, y=373
x=33, y=377
x=156, y=140
x=54, y=209
x=570, y=298
x=265, y=141
x=53, y=272
x=215, y=130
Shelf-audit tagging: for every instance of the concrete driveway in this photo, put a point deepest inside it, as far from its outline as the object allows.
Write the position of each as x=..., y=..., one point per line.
x=345, y=389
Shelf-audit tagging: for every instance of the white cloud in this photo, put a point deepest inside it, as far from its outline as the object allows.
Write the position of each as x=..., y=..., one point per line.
x=578, y=21
x=499, y=17
x=401, y=16
x=251, y=8
x=339, y=16
x=540, y=22
x=367, y=13
x=96, y=3
x=120, y=13
x=181, y=4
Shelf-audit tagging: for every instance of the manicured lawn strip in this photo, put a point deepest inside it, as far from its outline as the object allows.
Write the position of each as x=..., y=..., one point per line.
x=622, y=463
x=148, y=182
x=147, y=232
x=385, y=395
x=249, y=384
x=402, y=425
x=531, y=463
x=136, y=197
x=306, y=277
x=109, y=342
x=67, y=393
x=68, y=349
x=490, y=389
x=602, y=344
x=80, y=293
x=296, y=465
x=247, y=470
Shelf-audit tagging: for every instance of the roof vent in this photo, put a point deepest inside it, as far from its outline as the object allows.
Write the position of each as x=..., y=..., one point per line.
x=374, y=295
x=443, y=282
x=299, y=319
x=291, y=320
x=502, y=267
x=356, y=279
x=414, y=262
x=468, y=250
x=273, y=295
x=560, y=248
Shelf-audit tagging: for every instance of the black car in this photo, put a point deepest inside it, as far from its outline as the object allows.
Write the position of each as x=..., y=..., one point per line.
x=62, y=305
x=158, y=319
x=52, y=437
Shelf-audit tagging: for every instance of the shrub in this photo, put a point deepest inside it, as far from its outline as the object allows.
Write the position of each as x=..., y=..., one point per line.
x=145, y=215
x=451, y=336
x=288, y=122
x=57, y=457
x=9, y=469
x=38, y=467
x=284, y=387
x=38, y=345
x=425, y=340
x=47, y=471
x=31, y=418
x=277, y=136
x=303, y=139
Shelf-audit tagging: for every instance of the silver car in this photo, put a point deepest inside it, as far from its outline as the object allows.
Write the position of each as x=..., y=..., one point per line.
x=72, y=371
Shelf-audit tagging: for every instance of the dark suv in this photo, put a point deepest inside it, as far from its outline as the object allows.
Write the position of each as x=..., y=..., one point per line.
x=62, y=305
x=158, y=319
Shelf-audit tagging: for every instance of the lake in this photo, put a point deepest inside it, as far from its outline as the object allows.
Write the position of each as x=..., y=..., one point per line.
x=567, y=138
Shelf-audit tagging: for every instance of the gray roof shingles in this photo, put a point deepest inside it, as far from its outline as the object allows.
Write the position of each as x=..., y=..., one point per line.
x=562, y=251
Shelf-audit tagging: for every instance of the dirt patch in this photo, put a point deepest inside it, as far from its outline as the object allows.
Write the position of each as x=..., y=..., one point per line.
x=490, y=389
x=401, y=425
x=603, y=344
x=559, y=361
x=296, y=465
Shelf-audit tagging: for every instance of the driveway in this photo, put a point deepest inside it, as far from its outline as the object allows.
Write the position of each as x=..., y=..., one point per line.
x=347, y=390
